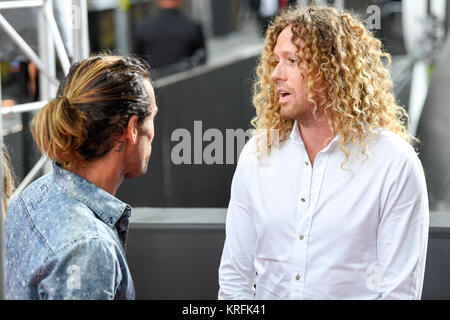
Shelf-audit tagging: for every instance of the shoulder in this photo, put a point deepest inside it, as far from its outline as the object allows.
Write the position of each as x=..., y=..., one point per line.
x=190, y=24
x=198, y=27
x=248, y=153
x=145, y=23
x=389, y=146
x=53, y=215
x=399, y=158
x=255, y=160
x=146, y=28
x=255, y=151
x=30, y=196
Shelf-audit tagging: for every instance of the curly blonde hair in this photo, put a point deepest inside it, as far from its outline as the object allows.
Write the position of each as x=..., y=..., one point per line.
x=340, y=52
x=8, y=178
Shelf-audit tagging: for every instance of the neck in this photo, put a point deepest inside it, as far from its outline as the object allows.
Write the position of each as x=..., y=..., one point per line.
x=316, y=135
x=169, y=4
x=105, y=173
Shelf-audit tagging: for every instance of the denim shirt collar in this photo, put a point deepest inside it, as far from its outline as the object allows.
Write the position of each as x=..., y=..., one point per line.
x=107, y=207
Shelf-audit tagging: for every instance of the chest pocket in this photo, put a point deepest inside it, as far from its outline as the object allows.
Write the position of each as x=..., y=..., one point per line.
x=37, y=198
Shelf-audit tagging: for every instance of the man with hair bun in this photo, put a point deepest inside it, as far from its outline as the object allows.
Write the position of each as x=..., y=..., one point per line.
x=66, y=232
x=328, y=200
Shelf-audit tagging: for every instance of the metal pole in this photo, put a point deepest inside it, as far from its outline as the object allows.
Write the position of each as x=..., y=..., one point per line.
x=122, y=29
x=60, y=49
x=46, y=50
x=18, y=40
x=80, y=30
x=5, y=5
x=25, y=107
x=31, y=175
x=2, y=249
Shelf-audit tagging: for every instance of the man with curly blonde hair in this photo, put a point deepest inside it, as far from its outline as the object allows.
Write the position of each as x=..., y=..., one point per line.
x=329, y=199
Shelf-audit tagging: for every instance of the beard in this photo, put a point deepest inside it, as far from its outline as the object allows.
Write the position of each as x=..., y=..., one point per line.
x=298, y=110
x=137, y=163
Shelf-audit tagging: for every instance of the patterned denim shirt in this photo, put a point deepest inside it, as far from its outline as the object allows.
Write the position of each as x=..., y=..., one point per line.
x=65, y=239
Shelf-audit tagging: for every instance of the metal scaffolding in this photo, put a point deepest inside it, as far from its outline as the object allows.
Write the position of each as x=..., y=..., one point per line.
x=50, y=41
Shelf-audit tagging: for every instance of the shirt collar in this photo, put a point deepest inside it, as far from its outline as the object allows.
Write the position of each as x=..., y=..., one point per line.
x=107, y=207
x=297, y=137
x=295, y=133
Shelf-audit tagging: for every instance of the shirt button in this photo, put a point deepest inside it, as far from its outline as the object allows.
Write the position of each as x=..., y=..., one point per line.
x=301, y=237
x=306, y=163
x=297, y=277
x=303, y=199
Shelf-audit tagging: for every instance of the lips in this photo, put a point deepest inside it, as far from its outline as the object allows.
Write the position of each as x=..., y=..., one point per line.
x=283, y=94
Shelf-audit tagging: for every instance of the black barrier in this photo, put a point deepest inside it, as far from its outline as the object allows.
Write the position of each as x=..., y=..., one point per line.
x=220, y=98
x=436, y=284
x=175, y=253
x=175, y=261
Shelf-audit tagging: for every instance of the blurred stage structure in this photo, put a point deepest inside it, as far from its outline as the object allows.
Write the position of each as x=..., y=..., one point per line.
x=434, y=131
x=177, y=230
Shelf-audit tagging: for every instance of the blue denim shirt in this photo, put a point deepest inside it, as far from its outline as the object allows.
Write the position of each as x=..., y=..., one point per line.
x=65, y=239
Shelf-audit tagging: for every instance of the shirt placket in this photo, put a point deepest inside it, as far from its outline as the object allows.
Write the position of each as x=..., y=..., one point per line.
x=311, y=182
x=121, y=228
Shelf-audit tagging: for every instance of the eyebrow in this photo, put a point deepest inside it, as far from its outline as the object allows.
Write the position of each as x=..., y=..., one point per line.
x=285, y=53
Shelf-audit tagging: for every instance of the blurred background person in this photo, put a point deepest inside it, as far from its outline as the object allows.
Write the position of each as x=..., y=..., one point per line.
x=169, y=41
x=267, y=10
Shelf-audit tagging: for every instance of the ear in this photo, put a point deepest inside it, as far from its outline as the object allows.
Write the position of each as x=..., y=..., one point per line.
x=132, y=130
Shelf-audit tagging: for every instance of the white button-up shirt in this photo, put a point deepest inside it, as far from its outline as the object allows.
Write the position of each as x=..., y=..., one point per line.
x=294, y=231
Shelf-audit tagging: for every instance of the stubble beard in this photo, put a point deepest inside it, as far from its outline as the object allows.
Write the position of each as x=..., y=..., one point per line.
x=300, y=111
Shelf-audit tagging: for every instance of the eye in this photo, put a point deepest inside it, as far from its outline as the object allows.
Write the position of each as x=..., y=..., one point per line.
x=292, y=61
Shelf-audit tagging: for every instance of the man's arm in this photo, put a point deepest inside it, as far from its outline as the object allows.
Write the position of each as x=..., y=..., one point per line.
x=86, y=270
x=403, y=235
x=236, y=272
x=199, y=55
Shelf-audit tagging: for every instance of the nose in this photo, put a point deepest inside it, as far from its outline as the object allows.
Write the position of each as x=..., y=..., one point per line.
x=278, y=73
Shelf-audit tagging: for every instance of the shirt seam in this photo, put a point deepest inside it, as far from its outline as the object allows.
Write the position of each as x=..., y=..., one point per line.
x=37, y=231
x=418, y=264
x=381, y=217
x=413, y=277
x=75, y=241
